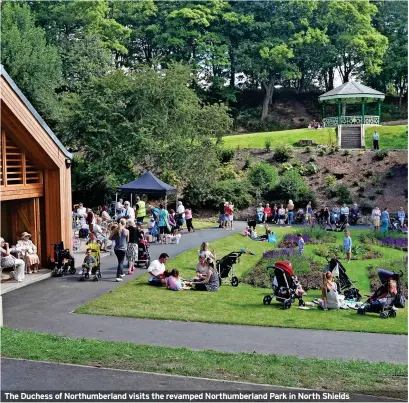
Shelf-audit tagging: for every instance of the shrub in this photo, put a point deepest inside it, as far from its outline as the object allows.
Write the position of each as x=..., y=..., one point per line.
x=379, y=191
x=346, y=153
x=361, y=152
x=283, y=152
x=313, y=158
x=309, y=169
x=226, y=155
x=358, y=251
x=235, y=191
x=307, y=149
x=355, y=183
x=389, y=174
x=286, y=166
x=330, y=180
x=380, y=155
x=341, y=191
x=227, y=172
x=267, y=144
x=263, y=176
x=365, y=208
x=321, y=153
x=295, y=162
x=368, y=174
x=247, y=162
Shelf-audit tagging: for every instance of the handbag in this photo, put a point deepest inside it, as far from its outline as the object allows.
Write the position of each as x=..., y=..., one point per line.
x=400, y=301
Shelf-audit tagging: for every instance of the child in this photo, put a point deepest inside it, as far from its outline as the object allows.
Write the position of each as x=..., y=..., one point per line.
x=174, y=282
x=188, y=218
x=347, y=245
x=300, y=244
x=89, y=261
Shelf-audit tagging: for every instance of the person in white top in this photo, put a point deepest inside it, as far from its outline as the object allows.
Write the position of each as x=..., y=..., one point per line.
x=344, y=213
x=128, y=212
x=260, y=213
x=204, y=251
x=156, y=271
x=119, y=206
x=180, y=211
x=81, y=211
x=376, y=217
x=375, y=140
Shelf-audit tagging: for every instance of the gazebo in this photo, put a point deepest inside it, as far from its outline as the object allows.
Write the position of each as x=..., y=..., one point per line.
x=351, y=129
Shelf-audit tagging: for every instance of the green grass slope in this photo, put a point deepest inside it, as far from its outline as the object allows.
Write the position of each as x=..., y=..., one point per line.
x=389, y=136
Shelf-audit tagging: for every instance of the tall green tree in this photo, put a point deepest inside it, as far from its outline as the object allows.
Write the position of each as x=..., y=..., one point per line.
x=32, y=63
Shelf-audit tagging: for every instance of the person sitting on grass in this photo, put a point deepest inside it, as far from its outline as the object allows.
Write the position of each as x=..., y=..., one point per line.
x=174, y=282
x=89, y=262
x=156, y=271
x=329, y=290
x=210, y=279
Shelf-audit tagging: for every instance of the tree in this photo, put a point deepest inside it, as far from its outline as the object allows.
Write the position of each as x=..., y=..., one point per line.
x=32, y=63
x=263, y=176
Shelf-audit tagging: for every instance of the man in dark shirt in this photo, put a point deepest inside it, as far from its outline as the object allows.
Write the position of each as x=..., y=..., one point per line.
x=222, y=218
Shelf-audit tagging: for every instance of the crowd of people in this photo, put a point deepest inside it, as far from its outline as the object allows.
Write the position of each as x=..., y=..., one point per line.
x=315, y=125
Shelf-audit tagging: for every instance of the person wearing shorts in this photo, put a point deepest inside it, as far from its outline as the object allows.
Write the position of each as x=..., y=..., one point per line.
x=376, y=217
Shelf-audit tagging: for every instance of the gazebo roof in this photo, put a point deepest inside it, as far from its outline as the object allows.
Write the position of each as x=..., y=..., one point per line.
x=350, y=91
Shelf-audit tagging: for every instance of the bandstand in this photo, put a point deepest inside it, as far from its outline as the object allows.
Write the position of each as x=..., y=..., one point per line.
x=351, y=129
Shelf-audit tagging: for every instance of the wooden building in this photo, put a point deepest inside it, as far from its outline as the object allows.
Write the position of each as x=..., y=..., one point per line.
x=35, y=175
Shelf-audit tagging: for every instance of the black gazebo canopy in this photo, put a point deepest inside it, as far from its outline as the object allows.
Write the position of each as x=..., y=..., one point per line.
x=148, y=183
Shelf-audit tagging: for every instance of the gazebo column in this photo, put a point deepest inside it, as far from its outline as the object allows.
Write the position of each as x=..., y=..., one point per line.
x=363, y=110
x=323, y=110
x=339, y=111
x=379, y=111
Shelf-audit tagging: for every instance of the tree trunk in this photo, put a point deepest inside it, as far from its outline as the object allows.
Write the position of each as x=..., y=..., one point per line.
x=268, y=88
x=330, y=79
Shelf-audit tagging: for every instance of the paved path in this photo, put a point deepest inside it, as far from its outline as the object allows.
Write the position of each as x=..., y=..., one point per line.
x=47, y=307
x=57, y=377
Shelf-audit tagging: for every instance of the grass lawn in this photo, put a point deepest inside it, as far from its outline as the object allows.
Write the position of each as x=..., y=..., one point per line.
x=389, y=136
x=258, y=140
x=361, y=377
x=243, y=304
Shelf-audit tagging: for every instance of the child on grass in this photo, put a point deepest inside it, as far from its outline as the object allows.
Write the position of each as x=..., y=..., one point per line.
x=300, y=244
x=174, y=282
x=347, y=245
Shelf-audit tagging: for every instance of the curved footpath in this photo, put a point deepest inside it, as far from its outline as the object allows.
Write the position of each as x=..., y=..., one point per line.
x=47, y=306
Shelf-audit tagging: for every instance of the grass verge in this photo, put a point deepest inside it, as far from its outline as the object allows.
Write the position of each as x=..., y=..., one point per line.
x=389, y=136
x=258, y=140
x=359, y=377
x=243, y=305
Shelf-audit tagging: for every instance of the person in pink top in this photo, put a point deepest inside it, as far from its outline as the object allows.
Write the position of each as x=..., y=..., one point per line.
x=174, y=282
x=188, y=218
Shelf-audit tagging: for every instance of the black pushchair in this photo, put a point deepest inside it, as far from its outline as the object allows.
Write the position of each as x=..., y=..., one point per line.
x=225, y=268
x=285, y=285
x=252, y=223
x=344, y=283
x=385, y=299
x=62, y=262
x=144, y=258
x=337, y=226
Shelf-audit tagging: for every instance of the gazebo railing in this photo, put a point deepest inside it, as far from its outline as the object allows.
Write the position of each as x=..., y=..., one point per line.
x=350, y=120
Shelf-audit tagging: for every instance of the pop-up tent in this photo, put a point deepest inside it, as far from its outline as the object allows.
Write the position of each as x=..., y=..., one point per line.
x=148, y=183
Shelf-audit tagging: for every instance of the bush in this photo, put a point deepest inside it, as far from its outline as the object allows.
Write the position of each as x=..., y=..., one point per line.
x=307, y=149
x=292, y=186
x=283, y=152
x=313, y=158
x=263, y=176
x=286, y=166
x=330, y=180
x=380, y=155
x=226, y=155
x=355, y=183
x=235, y=191
x=346, y=153
x=321, y=153
x=365, y=208
x=247, y=163
x=309, y=169
x=227, y=172
x=389, y=174
x=341, y=191
x=267, y=144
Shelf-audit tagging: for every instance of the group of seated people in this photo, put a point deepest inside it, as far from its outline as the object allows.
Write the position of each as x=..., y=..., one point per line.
x=206, y=278
x=21, y=258
x=315, y=125
x=278, y=214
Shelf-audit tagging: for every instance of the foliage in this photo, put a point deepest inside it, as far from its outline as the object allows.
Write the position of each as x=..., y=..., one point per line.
x=267, y=145
x=283, y=152
x=286, y=166
x=247, y=162
x=309, y=169
x=235, y=191
x=396, y=241
x=357, y=251
x=321, y=152
x=307, y=149
x=226, y=155
x=319, y=235
x=341, y=191
x=227, y=172
x=263, y=176
x=380, y=155
x=330, y=180
x=365, y=208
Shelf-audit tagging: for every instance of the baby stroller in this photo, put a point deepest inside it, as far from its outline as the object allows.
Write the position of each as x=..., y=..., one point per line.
x=62, y=262
x=144, y=258
x=96, y=269
x=344, y=283
x=252, y=223
x=299, y=217
x=386, y=298
x=338, y=226
x=284, y=285
x=225, y=268
x=394, y=225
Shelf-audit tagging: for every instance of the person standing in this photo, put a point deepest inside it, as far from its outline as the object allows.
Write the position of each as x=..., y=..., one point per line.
x=119, y=206
x=121, y=236
x=300, y=244
x=308, y=212
x=180, y=217
x=228, y=210
x=375, y=139
x=132, y=249
x=140, y=208
x=290, y=211
x=128, y=212
x=401, y=216
x=163, y=223
x=222, y=219
x=188, y=217
x=268, y=215
x=376, y=218
x=347, y=245
x=384, y=220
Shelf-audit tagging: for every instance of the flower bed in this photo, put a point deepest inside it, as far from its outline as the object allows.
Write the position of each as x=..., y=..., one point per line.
x=397, y=243
x=291, y=241
x=358, y=252
x=376, y=238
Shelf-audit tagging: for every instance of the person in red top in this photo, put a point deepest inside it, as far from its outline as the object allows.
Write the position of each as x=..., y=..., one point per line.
x=268, y=215
x=228, y=212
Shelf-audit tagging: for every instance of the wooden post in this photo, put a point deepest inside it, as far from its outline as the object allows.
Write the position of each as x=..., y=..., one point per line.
x=339, y=111
x=379, y=111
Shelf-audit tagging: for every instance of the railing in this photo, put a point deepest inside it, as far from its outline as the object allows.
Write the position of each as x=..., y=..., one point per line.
x=350, y=120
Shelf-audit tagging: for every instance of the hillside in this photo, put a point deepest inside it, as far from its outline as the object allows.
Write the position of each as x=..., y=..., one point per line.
x=370, y=182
